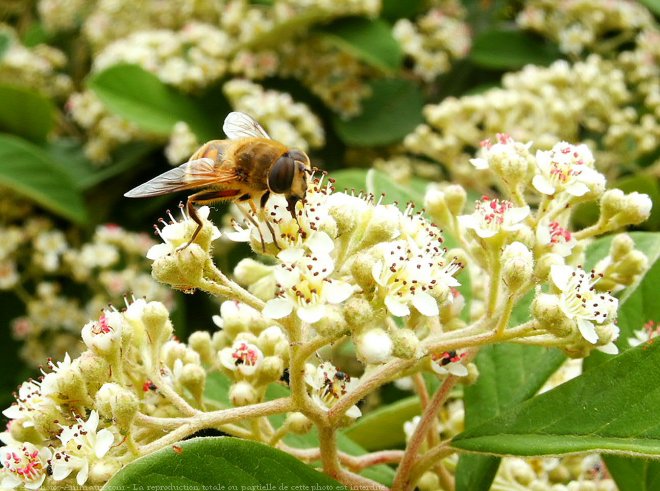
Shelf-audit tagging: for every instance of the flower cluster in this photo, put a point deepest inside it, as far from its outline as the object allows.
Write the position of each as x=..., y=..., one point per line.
x=43, y=263
x=434, y=40
x=285, y=120
x=546, y=105
x=587, y=24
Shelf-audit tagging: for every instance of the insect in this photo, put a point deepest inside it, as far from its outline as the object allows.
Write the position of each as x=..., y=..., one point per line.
x=247, y=167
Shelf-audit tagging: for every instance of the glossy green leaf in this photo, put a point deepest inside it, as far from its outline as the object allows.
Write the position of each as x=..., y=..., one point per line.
x=140, y=97
x=383, y=427
x=69, y=156
x=393, y=10
x=25, y=113
x=612, y=409
x=216, y=390
x=5, y=42
x=379, y=183
x=369, y=40
x=633, y=474
x=29, y=171
x=511, y=49
x=508, y=375
x=218, y=464
x=393, y=110
x=652, y=5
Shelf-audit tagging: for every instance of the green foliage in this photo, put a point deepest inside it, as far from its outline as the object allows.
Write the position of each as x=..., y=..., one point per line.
x=142, y=98
x=503, y=49
x=26, y=113
x=369, y=40
x=608, y=410
x=392, y=111
x=29, y=171
x=220, y=461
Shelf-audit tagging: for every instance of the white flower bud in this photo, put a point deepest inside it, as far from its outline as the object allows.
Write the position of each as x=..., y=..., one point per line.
x=157, y=323
x=619, y=210
x=271, y=369
x=183, y=269
x=332, y=323
x=517, y=266
x=242, y=394
x=102, y=470
x=358, y=312
x=200, y=341
x=383, y=226
x=622, y=244
x=249, y=271
x=374, y=347
x=547, y=310
x=361, y=269
x=193, y=378
x=429, y=482
x=298, y=423
x=271, y=339
x=117, y=403
x=405, y=343
x=545, y=263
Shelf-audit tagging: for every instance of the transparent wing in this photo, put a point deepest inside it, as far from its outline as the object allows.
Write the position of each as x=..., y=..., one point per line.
x=240, y=125
x=192, y=174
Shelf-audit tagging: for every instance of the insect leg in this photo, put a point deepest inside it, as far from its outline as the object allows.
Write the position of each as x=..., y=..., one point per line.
x=262, y=203
x=204, y=198
x=251, y=219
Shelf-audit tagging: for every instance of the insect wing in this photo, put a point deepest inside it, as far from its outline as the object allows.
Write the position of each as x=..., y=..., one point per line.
x=240, y=125
x=193, y=174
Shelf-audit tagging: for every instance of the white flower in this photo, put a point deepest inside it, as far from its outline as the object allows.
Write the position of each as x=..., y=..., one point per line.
x=649, y=331
x=176, y=234
x=505, y=149
x=566, y=168
x=492, y=216
x=242, y=356
x=408, y=276
x=580, y=301
x=82, y=445
x=25, y=465
x=30, y=400
x=409, y=427
x=558, y=239
x=449, y=362
x=49, y=384
x=305, y=287
x=103, y=336
x=327, y=385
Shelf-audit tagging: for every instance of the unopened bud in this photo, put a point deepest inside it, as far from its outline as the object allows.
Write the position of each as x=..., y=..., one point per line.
x=298, y=423
x=374, y=346
x=193, y=378
x=182, y=269
x=383, y=226
x=249, y=271
x=157, y=323
x=271, y=369
x=117, y=403
x=622, y=244
x=517, y=266
x=200, y=341
x=242, y=394
x=361, y=270
x=547, y=310
x=358, y=312
x=333, y=322
x=619, y=210
x=405, y=343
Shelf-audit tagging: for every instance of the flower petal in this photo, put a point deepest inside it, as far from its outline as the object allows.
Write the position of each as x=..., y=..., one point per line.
x=587, y=330
x=354, y=412
x=158, y=250
x=425, y=304
x=609, y=349
x=543, y=185
x=560, y=275
x=320, y=243
x=104, y=441
x=336, y=291
x=457, y=369
x=277, y=308
x=396, y=306
x=311, y=314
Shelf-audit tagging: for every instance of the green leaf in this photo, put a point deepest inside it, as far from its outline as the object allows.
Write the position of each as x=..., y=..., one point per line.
x=611, y=409
x=139, y=96
x=29, y=171
x=633, y=474
x=508, y=375
x=219, y=464
x=393, y=110
x=25, y=113
x=383, y=427
x=350, y=180
x=379, y=183
x=216, y=390
x=393, y=10
x=69, y=156
x=652, y=5
x=369, y=40
x=5, y=42
x=511, y=49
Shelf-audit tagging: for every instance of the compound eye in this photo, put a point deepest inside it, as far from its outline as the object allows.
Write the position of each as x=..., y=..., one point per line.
x=281, y=175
